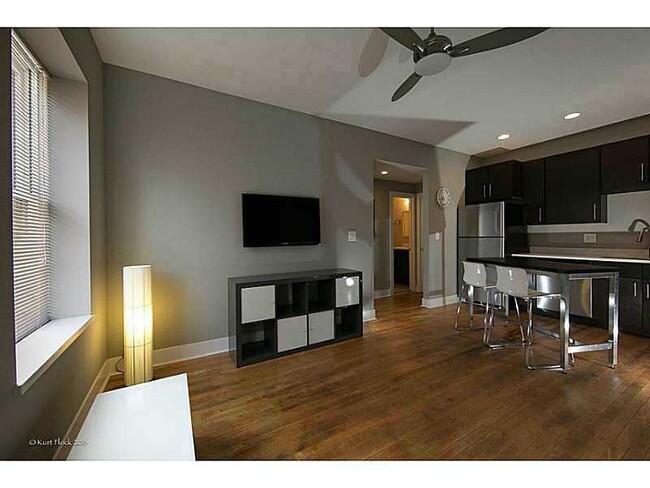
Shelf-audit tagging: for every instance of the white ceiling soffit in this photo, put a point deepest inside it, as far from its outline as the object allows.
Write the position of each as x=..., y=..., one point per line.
x=398, y=172
x=524, y=89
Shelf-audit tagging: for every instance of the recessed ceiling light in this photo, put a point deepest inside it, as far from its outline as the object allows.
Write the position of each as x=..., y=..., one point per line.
x=572, y=115
x=503, y=137
x=384, y=172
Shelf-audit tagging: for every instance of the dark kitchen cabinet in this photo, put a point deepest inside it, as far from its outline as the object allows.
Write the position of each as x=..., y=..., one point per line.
x=476, y=182
x=624, y=166
x=504, y=181
x=495, y=183
x=533, y=192
x=572, y=188
x=646, y=307
x=630, y=297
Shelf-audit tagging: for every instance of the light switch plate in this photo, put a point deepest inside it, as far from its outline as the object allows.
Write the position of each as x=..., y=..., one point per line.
x=352, y=236
x=589, y=238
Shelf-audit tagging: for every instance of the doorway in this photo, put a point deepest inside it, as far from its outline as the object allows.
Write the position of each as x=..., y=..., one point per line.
x=399, y=218
x=402, y=242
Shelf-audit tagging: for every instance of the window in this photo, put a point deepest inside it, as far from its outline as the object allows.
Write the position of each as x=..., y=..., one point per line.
x=30, y=190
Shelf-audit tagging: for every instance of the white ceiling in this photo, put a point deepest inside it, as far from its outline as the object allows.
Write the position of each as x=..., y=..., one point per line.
x=523, y=89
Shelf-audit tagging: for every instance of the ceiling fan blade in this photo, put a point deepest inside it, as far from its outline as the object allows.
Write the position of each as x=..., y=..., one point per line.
x=406, y=87
x=373, y=53
x=495, y=40
x=406, y=37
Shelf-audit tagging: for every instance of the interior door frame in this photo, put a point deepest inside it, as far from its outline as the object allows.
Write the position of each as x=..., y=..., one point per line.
x=391, y=262
x=419, y=244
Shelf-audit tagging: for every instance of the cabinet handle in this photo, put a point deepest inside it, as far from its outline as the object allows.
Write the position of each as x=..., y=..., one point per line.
x=642, y=172
x=634, y=289
x=490, y=190
x=484, y=195
x=539, y=214
x=594, y=211
x=647, y=291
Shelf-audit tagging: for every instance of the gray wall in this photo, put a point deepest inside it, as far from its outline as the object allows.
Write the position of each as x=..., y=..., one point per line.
x=178, y=157
x=448, y=170
x=47, y=408
x=383, y=227
x=622, y=208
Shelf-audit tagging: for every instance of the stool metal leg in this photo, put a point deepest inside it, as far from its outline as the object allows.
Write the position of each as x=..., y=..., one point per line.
x=468, y=290
x=489, y=327
x=529, y=344
x=463, y=290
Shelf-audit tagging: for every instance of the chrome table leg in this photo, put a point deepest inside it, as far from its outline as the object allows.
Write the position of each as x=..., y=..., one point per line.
x=613, y=320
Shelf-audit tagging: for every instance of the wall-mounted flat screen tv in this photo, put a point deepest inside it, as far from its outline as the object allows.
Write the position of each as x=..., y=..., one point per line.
x=272, y=220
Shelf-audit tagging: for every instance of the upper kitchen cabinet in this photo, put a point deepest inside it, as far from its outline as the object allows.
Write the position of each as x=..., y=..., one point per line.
x=533, y=192
x=624, y=166
x=495, y=183
x=476, y=184
x=572, y=188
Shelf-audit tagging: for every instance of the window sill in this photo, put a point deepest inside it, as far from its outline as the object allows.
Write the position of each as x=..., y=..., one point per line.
x=40, y=349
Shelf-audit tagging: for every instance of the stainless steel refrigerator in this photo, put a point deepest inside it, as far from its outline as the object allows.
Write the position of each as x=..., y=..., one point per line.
x=489, y=230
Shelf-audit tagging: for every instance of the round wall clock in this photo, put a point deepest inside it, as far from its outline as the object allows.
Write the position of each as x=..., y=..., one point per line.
x=443, y=197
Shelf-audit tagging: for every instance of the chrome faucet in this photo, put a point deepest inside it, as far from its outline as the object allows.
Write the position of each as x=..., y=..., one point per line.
x=646, y=228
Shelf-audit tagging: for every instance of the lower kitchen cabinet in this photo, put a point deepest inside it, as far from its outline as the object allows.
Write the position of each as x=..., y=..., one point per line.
x=646, y=307
x=630, y=318
x=633, y=300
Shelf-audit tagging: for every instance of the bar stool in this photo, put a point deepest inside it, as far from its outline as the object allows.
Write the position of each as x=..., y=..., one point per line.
x=474, y=276
x=514, y=282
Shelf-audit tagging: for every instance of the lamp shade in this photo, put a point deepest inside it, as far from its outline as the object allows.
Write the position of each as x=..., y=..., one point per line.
x=138, y=325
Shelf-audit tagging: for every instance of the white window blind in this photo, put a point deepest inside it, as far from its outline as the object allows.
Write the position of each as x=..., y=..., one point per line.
x=30, y=190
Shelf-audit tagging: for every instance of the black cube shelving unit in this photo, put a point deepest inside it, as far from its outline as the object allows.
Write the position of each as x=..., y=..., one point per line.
x=274, y=315
x=291, y=299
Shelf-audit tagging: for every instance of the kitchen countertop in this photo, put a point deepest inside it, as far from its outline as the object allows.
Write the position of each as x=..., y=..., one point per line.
x=585, y=258
x=547, y=265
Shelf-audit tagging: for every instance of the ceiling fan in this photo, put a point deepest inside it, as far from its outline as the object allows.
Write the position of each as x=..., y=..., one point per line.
x=433, y=54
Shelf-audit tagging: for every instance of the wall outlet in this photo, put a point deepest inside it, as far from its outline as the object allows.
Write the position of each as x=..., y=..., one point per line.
x=589, y=238
x=437, y=234
x=352, y=236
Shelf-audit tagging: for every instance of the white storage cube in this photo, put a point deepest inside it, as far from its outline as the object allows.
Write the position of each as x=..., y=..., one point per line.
x=257, y=303
x=321, y=326
x=292, y=333
x=347, y=291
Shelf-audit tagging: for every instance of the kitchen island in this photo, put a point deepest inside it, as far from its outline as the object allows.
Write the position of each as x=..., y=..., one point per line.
x=566, y=272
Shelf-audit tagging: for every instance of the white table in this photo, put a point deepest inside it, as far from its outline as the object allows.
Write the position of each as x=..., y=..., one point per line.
x=149, y=421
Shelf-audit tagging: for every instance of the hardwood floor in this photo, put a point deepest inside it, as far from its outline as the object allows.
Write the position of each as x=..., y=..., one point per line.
x=412, y=389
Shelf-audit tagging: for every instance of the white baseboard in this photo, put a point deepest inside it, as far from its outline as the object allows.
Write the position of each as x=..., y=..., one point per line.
x=382, y=293
x=369, y=315
x=177, y=353
x=436, y=302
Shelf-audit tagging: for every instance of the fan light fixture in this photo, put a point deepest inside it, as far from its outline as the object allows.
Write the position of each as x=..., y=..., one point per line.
x=572, y=115
x=433, y=64
x=503, y=137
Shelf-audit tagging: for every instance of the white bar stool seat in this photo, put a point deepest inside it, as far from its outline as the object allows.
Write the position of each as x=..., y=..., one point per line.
x=514, y=282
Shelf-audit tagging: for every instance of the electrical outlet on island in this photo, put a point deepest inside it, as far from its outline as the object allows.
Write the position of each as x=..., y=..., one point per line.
x=589, y=238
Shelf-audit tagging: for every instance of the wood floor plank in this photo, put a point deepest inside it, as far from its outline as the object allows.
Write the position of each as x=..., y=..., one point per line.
x=411, y=388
